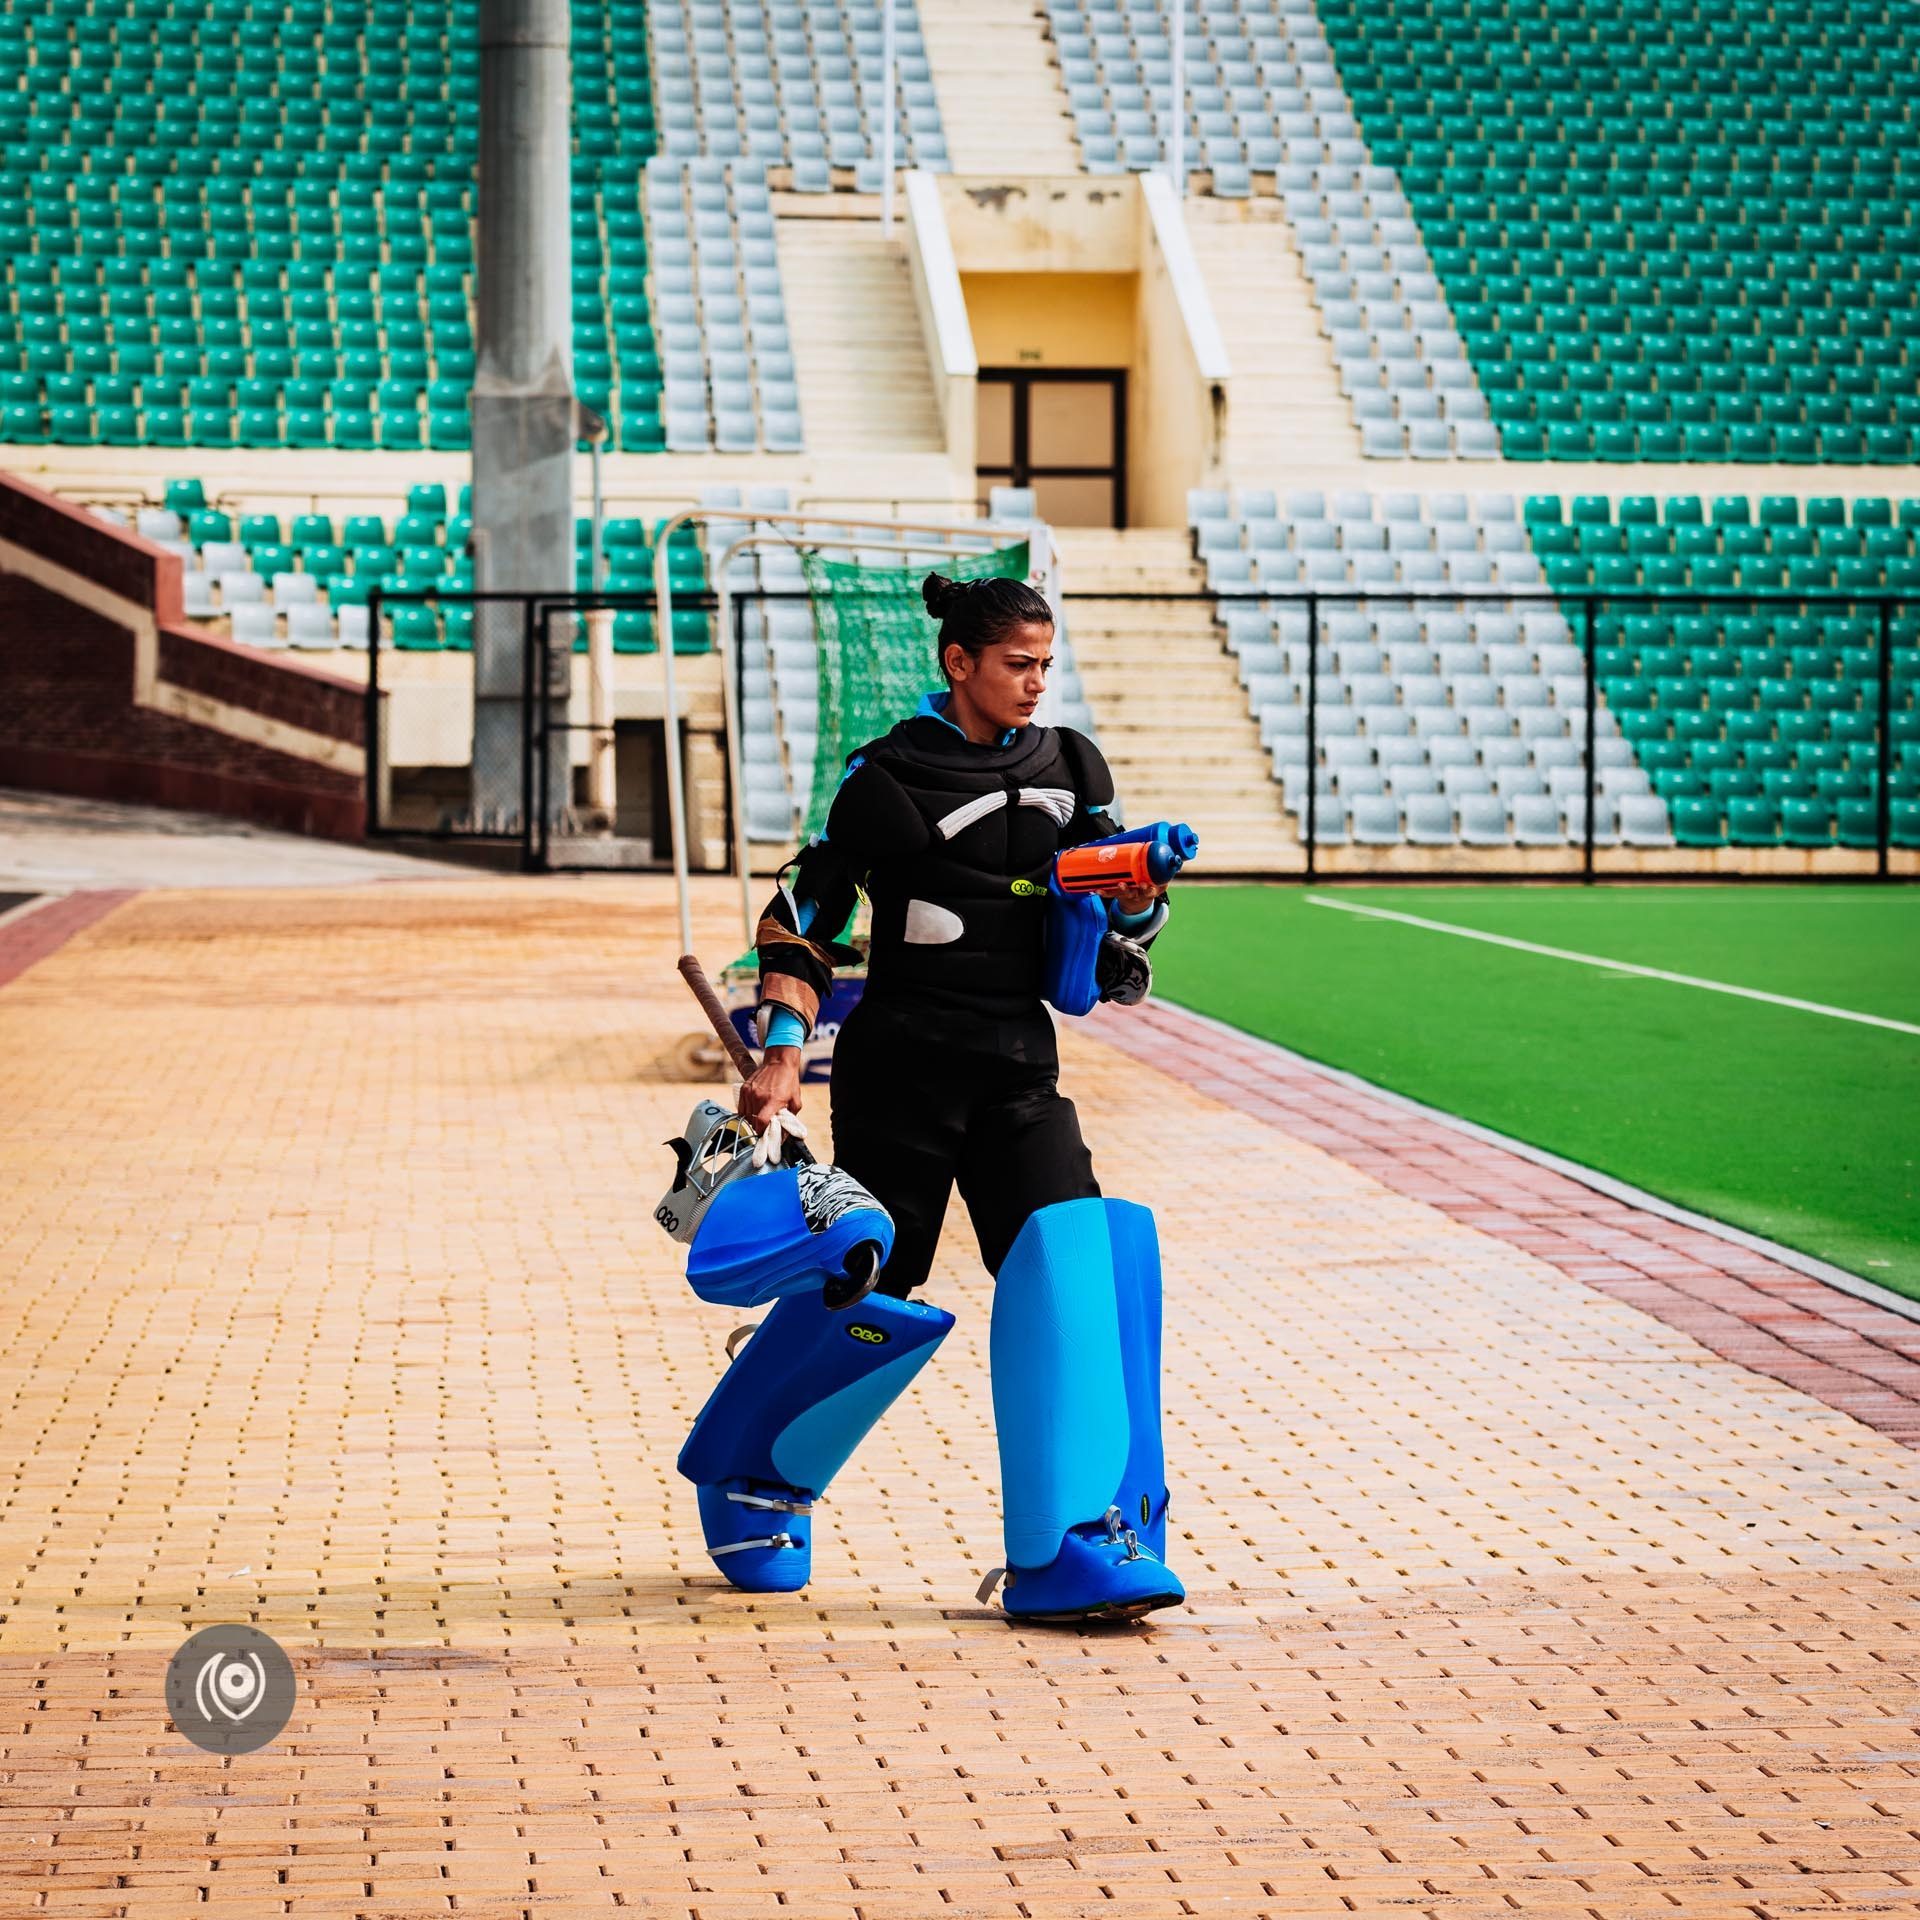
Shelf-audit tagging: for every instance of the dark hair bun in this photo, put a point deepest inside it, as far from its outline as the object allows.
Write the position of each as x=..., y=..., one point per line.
x=939, y=593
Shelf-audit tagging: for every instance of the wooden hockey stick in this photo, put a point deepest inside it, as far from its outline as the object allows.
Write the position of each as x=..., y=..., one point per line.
x=695, y=975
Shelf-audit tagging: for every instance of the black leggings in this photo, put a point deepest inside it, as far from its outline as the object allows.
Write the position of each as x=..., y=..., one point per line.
x=911, y=1116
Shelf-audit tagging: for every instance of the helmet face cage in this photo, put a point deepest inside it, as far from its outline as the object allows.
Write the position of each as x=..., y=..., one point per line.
x=716, y=1146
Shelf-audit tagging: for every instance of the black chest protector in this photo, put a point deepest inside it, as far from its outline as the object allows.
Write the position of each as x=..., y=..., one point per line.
x=958, y=841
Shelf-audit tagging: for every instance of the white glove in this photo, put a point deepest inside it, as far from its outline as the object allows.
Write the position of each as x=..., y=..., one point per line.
x=772, y=1143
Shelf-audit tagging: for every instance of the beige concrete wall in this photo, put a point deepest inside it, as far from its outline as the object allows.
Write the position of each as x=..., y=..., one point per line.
x=944, y=328
x=1176, y=430
x=1079, y=273
x=1082, y=225
x=1053, y=319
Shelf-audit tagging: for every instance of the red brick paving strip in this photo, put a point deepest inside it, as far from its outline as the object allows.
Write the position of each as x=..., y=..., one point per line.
x=45, y=930
x=1852, y=1355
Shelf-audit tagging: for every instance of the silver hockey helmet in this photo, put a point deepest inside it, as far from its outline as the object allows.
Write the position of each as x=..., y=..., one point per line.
x=716, y=1147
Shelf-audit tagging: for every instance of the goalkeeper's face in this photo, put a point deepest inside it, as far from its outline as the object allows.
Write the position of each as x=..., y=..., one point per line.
x=1000, y=686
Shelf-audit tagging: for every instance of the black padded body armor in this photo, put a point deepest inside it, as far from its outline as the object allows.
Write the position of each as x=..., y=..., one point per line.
x=957, y=841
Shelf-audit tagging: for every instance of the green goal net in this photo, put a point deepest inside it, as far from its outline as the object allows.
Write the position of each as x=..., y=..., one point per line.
x=875, y=646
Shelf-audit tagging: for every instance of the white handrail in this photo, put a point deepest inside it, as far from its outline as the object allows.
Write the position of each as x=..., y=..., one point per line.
x=1189, y=287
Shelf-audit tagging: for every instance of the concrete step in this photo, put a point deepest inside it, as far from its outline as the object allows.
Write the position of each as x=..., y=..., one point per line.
x=1173, y=718
x=861, y=362
x=1002, y=106
x=1143, y=642
x=1286, y=413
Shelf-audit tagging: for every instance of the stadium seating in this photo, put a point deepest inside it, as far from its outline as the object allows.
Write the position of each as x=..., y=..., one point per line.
x=249, y=223
x=725, y=354
x=784, y=82
x=307, y=583
x=1261, y=87
x=1756, y=720
x=1667, y=229
x=1719, y=720
x=1263, y=96
x=1682, y=251
x=1436, y=723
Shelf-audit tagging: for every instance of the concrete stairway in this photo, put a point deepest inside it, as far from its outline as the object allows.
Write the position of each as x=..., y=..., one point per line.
x=865, y=386
x=1287, y=414
x=1172, y=716
x=1002, y=105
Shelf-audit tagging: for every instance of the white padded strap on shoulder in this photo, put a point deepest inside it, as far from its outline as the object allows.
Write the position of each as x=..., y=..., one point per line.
x=1058, y=803
x=962, y=817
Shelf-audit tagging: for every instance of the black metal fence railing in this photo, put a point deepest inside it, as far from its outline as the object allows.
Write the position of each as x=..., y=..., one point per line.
x=1502, y=733
x=1491, y=733
x=534, y=809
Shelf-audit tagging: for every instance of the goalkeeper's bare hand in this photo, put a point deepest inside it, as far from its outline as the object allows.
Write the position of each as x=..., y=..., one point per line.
x=774, y=1087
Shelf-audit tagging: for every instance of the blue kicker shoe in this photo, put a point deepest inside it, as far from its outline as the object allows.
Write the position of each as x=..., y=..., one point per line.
x=1075, y=1349
x=781, y=1422
x=1102, y=1572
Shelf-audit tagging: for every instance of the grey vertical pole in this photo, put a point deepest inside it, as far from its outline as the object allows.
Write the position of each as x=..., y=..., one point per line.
x=1178, y=152
x=523, y=415
x=1313, y=734
x=596, y=573
x=1587, y=751
x=1883, y=732
x=889, y=114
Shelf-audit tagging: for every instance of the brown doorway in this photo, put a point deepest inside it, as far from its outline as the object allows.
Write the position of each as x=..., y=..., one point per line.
x=1064, y=434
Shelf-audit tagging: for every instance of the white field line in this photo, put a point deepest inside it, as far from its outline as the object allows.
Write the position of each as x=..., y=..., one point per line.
x=1616, y=966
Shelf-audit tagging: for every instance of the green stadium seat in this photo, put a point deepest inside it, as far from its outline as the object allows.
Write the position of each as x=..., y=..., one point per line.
x=1753, y=822
x=1806, y=823
x=1842, y=783
x=415, y=627
x=1697, y=821
x=1858, y=823
x=633, y=631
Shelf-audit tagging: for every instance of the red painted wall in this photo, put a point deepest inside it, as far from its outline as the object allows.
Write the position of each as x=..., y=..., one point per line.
x=68, y=722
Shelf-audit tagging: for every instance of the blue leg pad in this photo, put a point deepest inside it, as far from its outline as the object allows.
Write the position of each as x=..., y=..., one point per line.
x=758, y=1243
x=1076, y=1393
x=793, y=1404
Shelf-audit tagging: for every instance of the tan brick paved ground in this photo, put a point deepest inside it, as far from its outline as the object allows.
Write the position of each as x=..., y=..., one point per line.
x=329, y=1300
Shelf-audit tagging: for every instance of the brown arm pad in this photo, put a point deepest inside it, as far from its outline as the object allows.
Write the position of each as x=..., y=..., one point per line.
x=773, y=933
x=784, y=990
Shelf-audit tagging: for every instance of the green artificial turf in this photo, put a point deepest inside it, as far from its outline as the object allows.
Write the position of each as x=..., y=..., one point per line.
x=1790, y=1124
